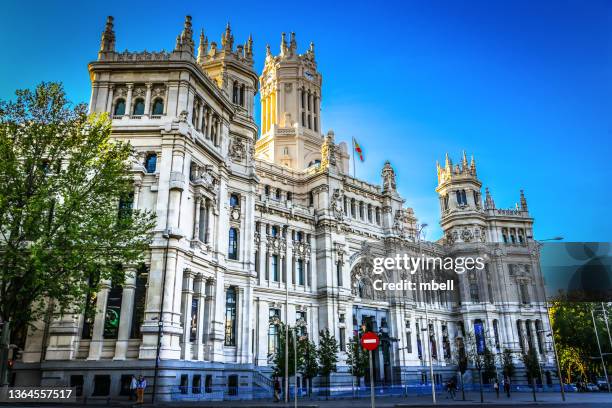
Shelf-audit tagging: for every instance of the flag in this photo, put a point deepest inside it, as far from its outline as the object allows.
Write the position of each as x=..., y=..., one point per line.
x=358, y=150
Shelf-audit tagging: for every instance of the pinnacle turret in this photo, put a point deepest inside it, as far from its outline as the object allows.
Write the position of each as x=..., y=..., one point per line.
x=107, y=43
x=184, y=41
x=202, y=48
x=523, y=202
x=227, y=41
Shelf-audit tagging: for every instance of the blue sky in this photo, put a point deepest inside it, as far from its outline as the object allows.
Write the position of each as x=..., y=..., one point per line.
x=525, y=86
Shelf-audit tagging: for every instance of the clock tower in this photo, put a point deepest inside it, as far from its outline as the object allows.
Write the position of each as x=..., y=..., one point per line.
x=290, y=107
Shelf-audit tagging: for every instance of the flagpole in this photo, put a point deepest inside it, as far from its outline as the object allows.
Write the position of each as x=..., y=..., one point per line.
x=354, y=174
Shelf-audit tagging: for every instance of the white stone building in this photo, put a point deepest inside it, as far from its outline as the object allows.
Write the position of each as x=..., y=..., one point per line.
x=254, y=223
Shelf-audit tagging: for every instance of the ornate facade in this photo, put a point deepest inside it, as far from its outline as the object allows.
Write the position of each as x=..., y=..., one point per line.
x=255, y=225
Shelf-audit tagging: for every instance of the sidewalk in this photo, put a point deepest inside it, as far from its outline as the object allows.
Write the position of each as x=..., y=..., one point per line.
x=597, y=399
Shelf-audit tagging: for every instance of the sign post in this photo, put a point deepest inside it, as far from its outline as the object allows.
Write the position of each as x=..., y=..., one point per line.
x=370, y=342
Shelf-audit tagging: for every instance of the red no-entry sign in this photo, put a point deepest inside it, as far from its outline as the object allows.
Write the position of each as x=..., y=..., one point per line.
x=370, y=341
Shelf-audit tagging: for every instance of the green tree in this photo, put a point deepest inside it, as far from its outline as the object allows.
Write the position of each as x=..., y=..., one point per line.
x=532, y=367
x=489, y=369
x=327, y=354
x=507, y=363
x=309, y=366
x=65, y=210
x=357, y=358
x=477, y=357
x=278, y=368
x=575, y=337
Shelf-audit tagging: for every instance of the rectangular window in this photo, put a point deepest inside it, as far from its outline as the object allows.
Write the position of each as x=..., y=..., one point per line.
x=194, y=320
x=408, y=341
x=339, y=273
x=140, y=294
x=273, y=335
x=230, y=316
x=275, y=272
x=196, y=384
x=102, y=385
x=113, y=312
x=300, y=272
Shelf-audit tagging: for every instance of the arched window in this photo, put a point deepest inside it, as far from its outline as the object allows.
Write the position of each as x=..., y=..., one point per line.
x=278, y=194
x=119, y=107
x=232, y=251
x=138, y=107
x=151, y=162
x=158, y=106
x=289, y=196
x=242, y=95
x=234, y=200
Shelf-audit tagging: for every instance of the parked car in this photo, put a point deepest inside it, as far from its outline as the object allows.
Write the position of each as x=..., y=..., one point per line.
x=570, y=388
x=592, y=387
x=603, y=385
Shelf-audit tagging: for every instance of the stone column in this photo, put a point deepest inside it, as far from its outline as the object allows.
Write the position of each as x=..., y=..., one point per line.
x=263, y=318
x=200, y=117
x=109, y=102
x=209, y=221
x=97, y=337
x=523, y=335
x=187, y=299
x=147, y=109
x=127, y=311
x=128, y=101
x=196, y=223
x=201, y=295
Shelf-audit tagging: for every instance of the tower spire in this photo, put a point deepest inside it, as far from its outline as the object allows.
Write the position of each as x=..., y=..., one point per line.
x=107, y=44
x=473, y=166
x=448, y=164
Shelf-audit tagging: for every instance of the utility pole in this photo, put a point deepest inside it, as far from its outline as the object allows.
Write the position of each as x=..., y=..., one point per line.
x=603, y=363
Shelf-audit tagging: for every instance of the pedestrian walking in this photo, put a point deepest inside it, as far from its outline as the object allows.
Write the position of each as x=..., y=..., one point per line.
x=453, y=388
x=496, y=386
x=140, y=389
x=507, y=386
x=277, y=390
x=133, y=387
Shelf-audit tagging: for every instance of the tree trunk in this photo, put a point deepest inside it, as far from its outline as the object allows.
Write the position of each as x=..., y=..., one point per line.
x=462, y=388
x=533, y=384
x=480, y=381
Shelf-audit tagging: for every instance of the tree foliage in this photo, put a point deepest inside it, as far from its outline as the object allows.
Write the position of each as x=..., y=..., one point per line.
x=327, y=353
x=358, y=359
x=62, y=179
x=575, y=336
x=279, y=355
x=507, y=363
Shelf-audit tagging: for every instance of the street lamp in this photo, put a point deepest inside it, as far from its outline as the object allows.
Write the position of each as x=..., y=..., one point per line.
x=431, y=375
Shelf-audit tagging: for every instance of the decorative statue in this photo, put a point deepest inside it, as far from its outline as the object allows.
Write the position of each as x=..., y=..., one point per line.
x=388, y=176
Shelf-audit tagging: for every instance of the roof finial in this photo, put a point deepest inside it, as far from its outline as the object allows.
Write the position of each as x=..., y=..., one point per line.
x=202, y=48
x=248, y=47
x=283, y=46
x=489, y=203
x=311, y=49
x=464, y=162
x=227, y=40
x=107, y=44
x=523, y=202
x=473, y=166
x=448, y=164
x=185, y=40
x=293, y=43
